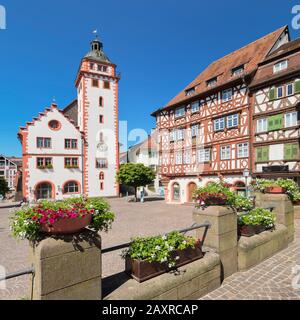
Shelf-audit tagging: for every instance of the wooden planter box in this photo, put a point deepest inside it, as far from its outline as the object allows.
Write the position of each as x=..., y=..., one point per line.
x=141, y=270
x=275, y=190
x=250, y=230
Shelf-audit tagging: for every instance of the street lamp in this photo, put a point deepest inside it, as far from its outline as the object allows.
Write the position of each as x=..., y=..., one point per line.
x=246, y=174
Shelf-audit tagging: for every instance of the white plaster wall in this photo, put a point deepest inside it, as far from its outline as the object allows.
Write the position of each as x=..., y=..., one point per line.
x=58, y=175
x=276, y=152
x=109, y=134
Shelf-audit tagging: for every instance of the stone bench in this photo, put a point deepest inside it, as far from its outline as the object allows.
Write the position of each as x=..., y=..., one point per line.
x=192, y=281
x=255, y=249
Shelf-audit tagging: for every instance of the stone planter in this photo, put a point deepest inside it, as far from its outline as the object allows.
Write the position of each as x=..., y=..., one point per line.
x=275, y=190
x=67, y=226
x=250, y=230
x=141, y=270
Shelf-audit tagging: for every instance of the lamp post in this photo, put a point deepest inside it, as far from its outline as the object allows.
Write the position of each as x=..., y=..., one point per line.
x=246, y=174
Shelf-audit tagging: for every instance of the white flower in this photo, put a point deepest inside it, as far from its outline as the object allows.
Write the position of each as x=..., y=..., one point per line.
x=157, y=247
x=164, y=237
x=177, y=258
x=184, y=242
x=153, y=255
x=164, y=259
x=171, y=248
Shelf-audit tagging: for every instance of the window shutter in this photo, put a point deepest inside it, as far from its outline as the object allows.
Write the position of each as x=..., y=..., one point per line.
x=259, y=154
x=287, y=151
x=270, y=123
x=265, y=153
x=297, y=86
x=295, y=150
x=272, y=94
x=275, y=122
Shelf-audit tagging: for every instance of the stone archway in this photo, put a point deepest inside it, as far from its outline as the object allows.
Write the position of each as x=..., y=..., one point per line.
x=191, y=187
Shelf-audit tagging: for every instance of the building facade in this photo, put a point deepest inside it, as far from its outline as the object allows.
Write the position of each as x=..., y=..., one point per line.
x=75, y=151
x=8, y=171
x=276, y=104
x=205, y=131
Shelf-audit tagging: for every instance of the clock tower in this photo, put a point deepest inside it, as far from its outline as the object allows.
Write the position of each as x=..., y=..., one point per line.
x=97, y=90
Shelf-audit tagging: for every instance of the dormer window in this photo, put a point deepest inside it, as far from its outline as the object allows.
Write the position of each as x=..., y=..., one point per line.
x=280, y=66
x=238, y=70
x=212, y=82
x=190, y=92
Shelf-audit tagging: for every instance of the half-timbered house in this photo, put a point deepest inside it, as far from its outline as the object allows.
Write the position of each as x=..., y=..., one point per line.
x=205, y=130
x=276, y=104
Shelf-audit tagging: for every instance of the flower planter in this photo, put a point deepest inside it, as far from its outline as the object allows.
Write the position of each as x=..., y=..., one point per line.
x=141, y=270
x=67, y=226
x=296, y=203
x=275, y=190
x=246, y=230
x=259, y=229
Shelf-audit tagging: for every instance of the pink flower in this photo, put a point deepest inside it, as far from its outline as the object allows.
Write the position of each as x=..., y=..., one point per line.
x=34, y=218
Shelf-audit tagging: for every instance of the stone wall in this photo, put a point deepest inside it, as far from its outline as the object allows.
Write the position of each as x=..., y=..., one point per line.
x=68, y=268
x=297, y=212
x=190, y=282
x=255, y=249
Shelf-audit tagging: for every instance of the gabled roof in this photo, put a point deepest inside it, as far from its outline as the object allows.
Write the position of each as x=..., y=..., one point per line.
x=249, y=56
x=42, y=114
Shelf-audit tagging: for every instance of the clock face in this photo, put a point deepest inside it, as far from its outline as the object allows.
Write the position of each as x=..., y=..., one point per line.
x=102, y=147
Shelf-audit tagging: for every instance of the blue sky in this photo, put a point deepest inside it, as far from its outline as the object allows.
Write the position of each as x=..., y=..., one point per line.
x=159, y=47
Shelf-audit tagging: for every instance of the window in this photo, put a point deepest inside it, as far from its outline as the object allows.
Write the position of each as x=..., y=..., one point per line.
x=225, y=153
x=190, y=92
x=44, y=143
x=92, y=66
x=187, y=157
x=219, y=124
x=289, y=89
x=195, y=106
x=232, y=121
x=172, y=135
x=101, y=176
x=1, y=173
x=101, y=104
x=71, y=187
x=204, y=155
x=275, y=122
x=101, y=163
x=291, y=151
x=212, y=82
x=44, y=163
x=71, y=163
x=290, y=119
x=101, y=186
x=178, y=158
x=101, y=119
x=101, y=137
x=104, y=68
x=106, y=84
x=282, y=65
x=262, y=154
x=279, y=92
x=243, y=150
x=227, y=95
x=179, y=134
x=54, y=125
x=261, y=125
x=195, y=130
x=179, y=112
x=95, y=83
x=70, y=143
x=238, y=70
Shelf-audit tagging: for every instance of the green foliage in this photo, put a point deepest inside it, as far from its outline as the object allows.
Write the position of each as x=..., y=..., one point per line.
x=135, y=175
x=3, y=187
x=159, y=249
x=242, y=204
x=258, y=216
x=292, y=188
x=26, y=222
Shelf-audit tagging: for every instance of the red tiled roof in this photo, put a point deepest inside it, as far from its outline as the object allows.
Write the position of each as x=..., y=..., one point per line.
x=249, y=55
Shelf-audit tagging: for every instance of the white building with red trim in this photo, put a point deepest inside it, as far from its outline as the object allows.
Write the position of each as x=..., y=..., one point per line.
x=76, y=151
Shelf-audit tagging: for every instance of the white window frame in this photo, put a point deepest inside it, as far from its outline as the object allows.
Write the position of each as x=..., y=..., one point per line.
x=238, y=70
x=179, y=134
x=261, y=125
x=277, y=90
x=291, y=119
x=279, y=66
x=172, y=135
x=243, y=150
x=204, y=155
x=178, y=158
x=179, y=112
x=187, y=157
x=287, y=89
x=219, y=124
x=233, y=121
x=195, y=130
x=193, y=108
x=225, y=153
x=227, y=95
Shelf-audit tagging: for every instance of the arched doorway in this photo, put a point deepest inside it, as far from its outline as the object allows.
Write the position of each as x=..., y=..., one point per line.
x=44, y=191
x=190, y=190
x=176, y=192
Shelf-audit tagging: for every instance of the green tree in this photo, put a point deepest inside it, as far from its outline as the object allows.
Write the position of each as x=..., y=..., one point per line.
x=135, y=175
x=3, y=187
